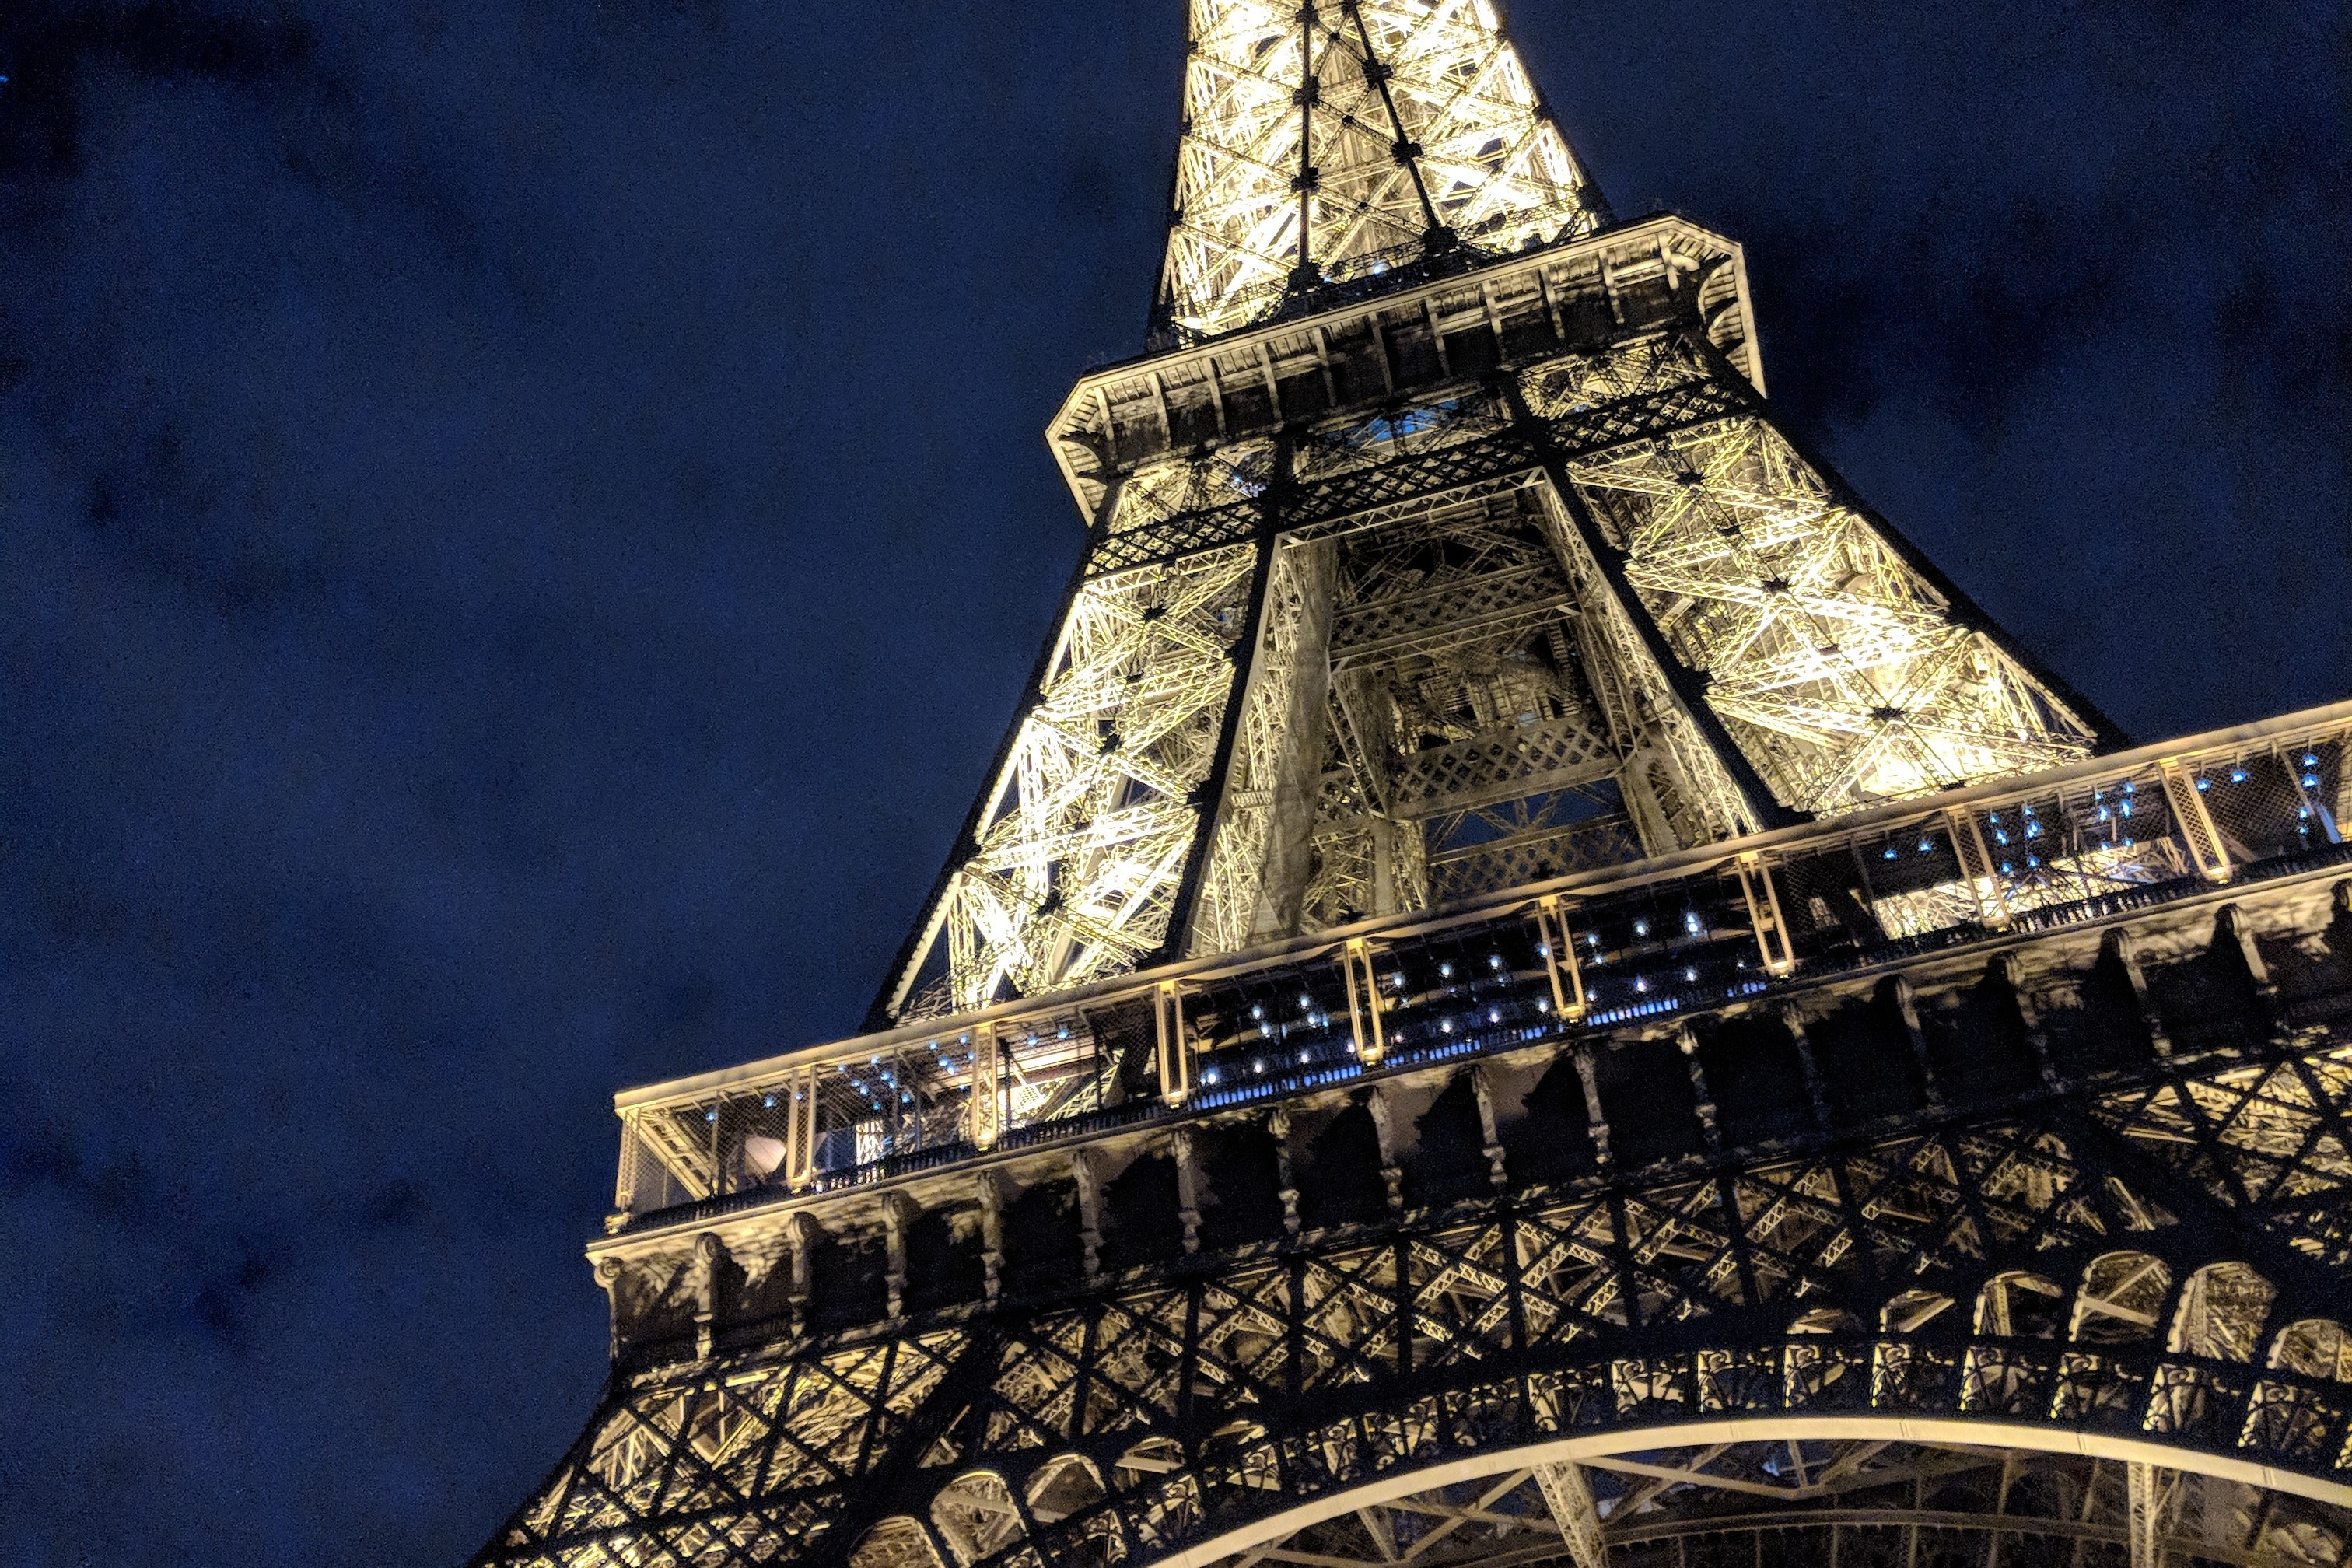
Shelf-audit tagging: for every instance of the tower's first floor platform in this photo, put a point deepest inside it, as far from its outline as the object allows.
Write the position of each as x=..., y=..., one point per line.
x=1970, y=1176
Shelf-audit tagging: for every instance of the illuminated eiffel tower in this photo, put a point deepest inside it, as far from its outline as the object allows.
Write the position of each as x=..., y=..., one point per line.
x=1531, y=983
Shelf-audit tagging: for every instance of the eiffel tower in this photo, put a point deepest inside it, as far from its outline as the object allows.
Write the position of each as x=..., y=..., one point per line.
x=1531, y=983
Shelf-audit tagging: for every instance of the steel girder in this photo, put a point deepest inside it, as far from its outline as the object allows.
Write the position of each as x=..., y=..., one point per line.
x=2150, y=1272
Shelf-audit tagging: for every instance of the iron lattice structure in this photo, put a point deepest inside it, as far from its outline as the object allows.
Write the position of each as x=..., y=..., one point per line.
x=1530, y=983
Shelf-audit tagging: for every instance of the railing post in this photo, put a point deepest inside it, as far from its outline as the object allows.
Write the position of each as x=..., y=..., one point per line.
x=1175, y=1048
x=1363, y=1000
x=800, y=1129
x=624, y=1179
x=1557, y=944
x=984, y=1110
x=2203, y=840
x=1975, y=855
x=1764, y=913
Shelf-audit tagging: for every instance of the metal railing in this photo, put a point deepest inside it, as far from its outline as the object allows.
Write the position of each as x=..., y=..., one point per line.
x=1700, y=930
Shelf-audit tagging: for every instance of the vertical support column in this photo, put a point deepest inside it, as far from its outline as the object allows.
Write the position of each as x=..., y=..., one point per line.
x=1556, y=943
x=984, y=1111
x=1175, y=1049
x=1363, y=1000
x=2005, y=970
x=1482, y=1086
x=2147, y=1514
x=625, y=1178
x=1596, y=1123
x=801, y=1236
x=1569, y=1495
x=1687, y=1041
x=1184, y=1147
x=898, y=1215
x=2231, y=924
x=2203, y=841
x=709, y=1262
x=1082, y=1170
x=992, y=1234
x=800, y=1129
x=608, y=1280
x=1383, y=1115
x=1756, y=883
x=1277, y=1125
x=1793, y=1020
x=2118, y=944
x=1906, y=1012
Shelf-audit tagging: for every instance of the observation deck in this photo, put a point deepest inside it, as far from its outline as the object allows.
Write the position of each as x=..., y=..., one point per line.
x=1777, y=991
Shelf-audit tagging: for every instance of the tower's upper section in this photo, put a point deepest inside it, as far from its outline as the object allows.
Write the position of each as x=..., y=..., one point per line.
x=1332, y=140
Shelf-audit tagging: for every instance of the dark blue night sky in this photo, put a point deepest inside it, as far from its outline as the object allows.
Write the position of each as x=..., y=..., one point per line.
x=521, y=525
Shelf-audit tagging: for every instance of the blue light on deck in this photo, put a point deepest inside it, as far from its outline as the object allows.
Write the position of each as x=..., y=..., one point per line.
x=1890, y=851
x=2237, y=776
x=2203, y=783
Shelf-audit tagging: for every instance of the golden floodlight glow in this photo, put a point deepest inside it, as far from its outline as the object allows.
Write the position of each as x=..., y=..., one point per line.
x=1371, y=128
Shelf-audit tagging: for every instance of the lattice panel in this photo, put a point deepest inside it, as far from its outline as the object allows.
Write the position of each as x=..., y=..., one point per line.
x=1422, y=118
x=1501, y=765
x=1384, y=624
x=1076, y=866
x=1573, y=387
x=1164, y=543
x=1407, y=478
x=1841, y=672
x=1522, y=858
x=1162, y=492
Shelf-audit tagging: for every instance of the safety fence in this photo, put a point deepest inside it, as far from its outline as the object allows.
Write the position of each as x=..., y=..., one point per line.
x=1689, y=933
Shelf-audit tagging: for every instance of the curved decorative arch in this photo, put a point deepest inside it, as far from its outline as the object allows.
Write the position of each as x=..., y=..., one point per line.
x=2121, y=1300
x=896, y=1542
x=976, y=1515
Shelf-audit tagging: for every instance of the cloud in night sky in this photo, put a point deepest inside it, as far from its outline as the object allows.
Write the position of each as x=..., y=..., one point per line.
x=521, y=524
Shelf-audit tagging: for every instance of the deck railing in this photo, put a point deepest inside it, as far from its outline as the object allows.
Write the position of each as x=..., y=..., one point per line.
x=1700, y=930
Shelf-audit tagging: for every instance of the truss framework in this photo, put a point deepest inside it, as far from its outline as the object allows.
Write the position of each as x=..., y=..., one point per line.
x=1812, y=1338
x=1329, y=140
x=1306, y=659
